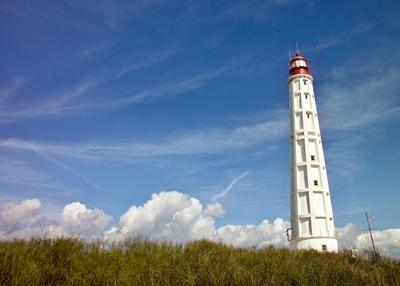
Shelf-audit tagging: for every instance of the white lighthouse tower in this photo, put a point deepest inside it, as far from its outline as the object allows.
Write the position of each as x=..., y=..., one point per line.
x=311, y=214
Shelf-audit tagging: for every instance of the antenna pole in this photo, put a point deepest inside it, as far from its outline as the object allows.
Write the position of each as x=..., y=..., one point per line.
x=297, y=48
x=370, y=233
x=289, y=56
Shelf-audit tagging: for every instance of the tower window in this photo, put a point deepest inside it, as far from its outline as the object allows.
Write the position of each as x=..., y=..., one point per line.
x=306, y=96
x=324, y=248
x=312, y=157
x=315, y=182
x=308, y=115
x=305, y=82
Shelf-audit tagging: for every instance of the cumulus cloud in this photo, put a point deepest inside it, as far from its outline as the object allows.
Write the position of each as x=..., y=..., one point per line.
x=76, y=219
x=16, y=217
x=22, y=221
x=176, y=217
x=170, y=216
x=386, y=241
x=255, y=235
x=214, y=210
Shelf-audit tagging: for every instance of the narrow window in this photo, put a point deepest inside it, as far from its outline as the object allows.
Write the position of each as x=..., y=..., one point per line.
x=308, y=115
x=305, y=82
x=324, y=248
x=306, y=96
x=312, y=157
x=315, y=182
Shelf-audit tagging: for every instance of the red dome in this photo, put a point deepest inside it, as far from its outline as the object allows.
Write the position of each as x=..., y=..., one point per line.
x=298, y=65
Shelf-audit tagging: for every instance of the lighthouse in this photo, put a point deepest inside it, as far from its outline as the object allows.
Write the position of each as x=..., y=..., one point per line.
x=311, y=215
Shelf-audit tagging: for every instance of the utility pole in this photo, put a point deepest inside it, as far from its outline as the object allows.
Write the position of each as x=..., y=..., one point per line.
x=370, y=231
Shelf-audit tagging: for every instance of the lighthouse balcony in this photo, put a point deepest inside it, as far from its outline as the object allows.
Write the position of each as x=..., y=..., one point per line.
x=317, y=234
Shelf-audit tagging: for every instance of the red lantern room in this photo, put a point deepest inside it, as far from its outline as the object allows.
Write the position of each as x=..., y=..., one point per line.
x=298, y=65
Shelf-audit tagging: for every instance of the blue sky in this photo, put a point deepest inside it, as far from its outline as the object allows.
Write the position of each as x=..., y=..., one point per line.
x=109, y=102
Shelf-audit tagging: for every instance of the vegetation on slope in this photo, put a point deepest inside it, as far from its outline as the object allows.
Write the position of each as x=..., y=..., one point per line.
x=139, y=261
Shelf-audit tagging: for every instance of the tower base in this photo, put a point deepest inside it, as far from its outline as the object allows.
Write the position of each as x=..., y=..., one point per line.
x=320, y=244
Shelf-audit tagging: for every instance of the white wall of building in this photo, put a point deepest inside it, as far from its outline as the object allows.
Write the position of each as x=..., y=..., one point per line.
x=311, y=208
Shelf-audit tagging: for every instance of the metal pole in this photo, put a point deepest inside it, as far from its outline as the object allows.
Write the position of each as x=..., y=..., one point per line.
x=370, y=233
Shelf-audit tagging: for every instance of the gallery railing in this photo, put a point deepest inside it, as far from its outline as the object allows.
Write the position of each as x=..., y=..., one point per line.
x=318, y=234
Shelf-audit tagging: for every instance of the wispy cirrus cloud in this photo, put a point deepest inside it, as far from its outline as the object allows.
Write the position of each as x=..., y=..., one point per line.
x=9, y=89
x=357, y=98
x=353, y=108
x=65, y=167
x=258, y=10
x=325, y=43
x=17, y=172
x=78, y=100
x=202, y=141
x=229, y=187
x=180, y=86
x=28, y=146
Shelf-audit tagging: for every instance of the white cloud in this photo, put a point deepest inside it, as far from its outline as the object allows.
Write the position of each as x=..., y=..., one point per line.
x=258, y=10
x=254, y=235
x=26, y=175
x=19, y=173
x=387, y=241
x=325, y=43
x=354, y=107
x=22, y=221
x=8, y=89
x=357, y=99
x=204, y=141
x=348, y=236
x=16, y=217
x=170, y=216
x=65, y=167
x=76, y=99
x=229, y=187
x=80, y=98
x=214, y=210
x=76, y=219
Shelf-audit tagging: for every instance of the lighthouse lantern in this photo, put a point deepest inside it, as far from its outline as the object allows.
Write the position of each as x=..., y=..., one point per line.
x=298, y=65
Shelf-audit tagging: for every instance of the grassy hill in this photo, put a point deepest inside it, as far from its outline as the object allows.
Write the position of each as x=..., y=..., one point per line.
x=138, y=261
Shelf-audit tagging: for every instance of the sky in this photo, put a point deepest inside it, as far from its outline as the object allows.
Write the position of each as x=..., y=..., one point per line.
x=170, y=118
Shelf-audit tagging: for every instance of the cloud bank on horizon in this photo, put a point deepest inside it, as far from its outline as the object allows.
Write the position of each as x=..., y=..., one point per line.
x=168, y=216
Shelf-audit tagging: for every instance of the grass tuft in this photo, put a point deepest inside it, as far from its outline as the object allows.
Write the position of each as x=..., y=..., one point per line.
x=140, y=261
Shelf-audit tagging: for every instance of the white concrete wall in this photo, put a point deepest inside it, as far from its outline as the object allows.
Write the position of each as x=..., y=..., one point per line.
x=311, y=208
x=316, y=243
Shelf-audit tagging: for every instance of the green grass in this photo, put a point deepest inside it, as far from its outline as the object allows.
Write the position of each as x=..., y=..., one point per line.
x=139, y=261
